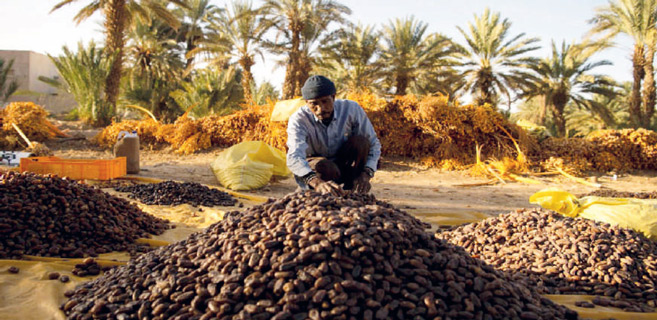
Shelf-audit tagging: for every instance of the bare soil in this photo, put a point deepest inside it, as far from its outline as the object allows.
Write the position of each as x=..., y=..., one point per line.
x=424, y=192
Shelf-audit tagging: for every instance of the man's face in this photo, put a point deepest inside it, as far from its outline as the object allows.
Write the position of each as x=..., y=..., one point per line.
x=322, y=107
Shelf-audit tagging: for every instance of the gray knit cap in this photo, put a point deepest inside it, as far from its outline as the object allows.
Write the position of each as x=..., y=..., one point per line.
x=317, y=87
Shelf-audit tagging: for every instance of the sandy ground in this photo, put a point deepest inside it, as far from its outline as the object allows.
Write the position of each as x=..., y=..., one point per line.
x=426, y=193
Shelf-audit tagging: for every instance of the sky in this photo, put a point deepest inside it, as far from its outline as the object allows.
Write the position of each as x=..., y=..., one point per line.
x=29, y=25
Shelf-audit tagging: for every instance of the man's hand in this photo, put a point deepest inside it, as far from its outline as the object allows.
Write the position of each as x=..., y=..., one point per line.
x=324, y=187
x=362, y=183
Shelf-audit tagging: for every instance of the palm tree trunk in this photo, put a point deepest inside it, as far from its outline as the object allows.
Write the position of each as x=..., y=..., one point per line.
x=292, y=70
x=303, y=72
x=558, y=103
x=542, y=111
x=289, y=84
x=648, y=87
x=486, y=86
x=246, y=62
x=115, y=21
x=559, y=119
x=637, y=77
x=402, y=85
x=190, y=61
x=484, y=96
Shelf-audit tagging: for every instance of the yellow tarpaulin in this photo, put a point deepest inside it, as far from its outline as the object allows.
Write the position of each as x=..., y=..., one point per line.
x=599, y=312
x=29, y=295
x=285, y=108
x=449, y=218
x=637, y=214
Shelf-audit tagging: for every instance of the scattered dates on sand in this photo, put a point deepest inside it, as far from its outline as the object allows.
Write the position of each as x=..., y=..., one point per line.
x=175, y=193
x=310, y=256
x=562, y=255
x=45, y=215
x=88, y=267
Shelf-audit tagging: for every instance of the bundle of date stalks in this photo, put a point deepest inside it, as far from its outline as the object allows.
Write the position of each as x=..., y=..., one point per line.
x=310, y=256
x=562, y=255
x=46, y=215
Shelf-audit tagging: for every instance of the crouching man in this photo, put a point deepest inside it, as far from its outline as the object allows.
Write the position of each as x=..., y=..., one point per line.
x=332, y=145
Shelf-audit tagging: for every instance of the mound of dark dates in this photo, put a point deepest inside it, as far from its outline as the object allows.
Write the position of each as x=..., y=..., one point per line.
x=45, y=215
x=562, y=255
x=310, y=256
x=609, y=193
x=175, y=193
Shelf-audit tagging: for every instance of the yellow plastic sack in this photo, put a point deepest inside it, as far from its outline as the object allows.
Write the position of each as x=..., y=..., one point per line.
x=249, y=165
x=285, y=108
x=637, y=214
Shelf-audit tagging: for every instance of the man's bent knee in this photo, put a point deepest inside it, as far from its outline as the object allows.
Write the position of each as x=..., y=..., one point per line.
x=355, y=150
x=359, y=140
x=327, y=170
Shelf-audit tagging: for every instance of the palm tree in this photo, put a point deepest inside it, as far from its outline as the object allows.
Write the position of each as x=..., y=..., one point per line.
x=410, y=56
x=350, y=59
x=83, y=74
x=313, y=37
x=619, y=106
x=7, y=88
x=299, y=24
x=195, y=19
x=637, y=19
x=210, y=91
x=264, y=93
x=582, y=121
x=565, y=77
x=243, y=28
x=155, y=68
x=235, y=35
x=118, y=15
x=150, y=53
x=648, y=92
x=215, y=49
x=494, y=63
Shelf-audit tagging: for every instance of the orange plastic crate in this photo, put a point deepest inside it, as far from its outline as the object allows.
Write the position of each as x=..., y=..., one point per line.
x=76, y=168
